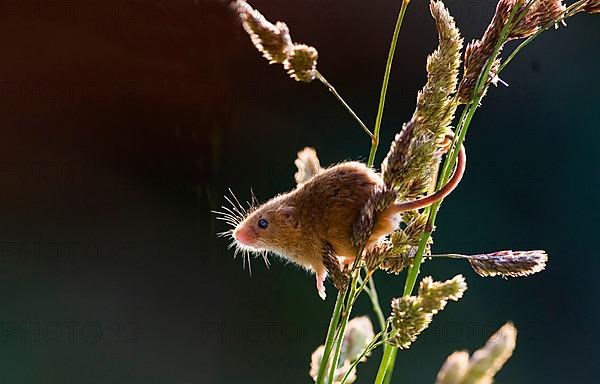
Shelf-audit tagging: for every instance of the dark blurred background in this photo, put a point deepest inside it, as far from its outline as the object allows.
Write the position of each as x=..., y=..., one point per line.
x=124, y=122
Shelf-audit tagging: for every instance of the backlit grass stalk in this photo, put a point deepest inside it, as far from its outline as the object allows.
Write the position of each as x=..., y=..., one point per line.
x=387, y=349
x=331, y=332
x=450, y=162
x=332, y=89
x=337, y=328
x=384, y=86
x=388, y=360
x=571, y=10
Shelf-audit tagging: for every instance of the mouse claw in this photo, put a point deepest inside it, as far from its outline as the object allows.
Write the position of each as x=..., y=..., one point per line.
x=320, y=285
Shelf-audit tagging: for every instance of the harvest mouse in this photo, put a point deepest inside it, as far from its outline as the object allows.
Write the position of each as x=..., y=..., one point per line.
x=319, y=214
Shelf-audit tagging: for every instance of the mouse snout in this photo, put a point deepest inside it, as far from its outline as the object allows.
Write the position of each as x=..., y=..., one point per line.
x=244, y=236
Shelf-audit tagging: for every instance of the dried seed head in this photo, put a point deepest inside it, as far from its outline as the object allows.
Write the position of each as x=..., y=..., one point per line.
x=434, y=295
x=338, y=277
x=478, y=52
x=420, y=163
x=433, y=102
x=275, y=43
x=540, y=13
x=393, y=166
x=308, y=165
x=358, y=334
x=272, y=40
x=340, y=371
x=408, y=320
x=301, y=63
x=396, y=262
x=509, y=263
x=403, y=243
x=409, y=164
x=592, y=6
x=454, y=368
x=486, y=362
x=411, y=315
x=380, y=199
x=415, y=226
x=375, y=255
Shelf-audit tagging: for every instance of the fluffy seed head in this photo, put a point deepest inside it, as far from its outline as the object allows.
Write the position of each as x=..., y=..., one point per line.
x=301, y=63
x=340, y=370
x=396, y=262
x=434, y=295
x=272, y=40
x=479, y=51
x=592, y=6
x=454, y=368
x=411, y=315
x=358, y=334
x=509, y=263
x=408, y=320
x=381, y=198
x=409, y=163
x=540, y=13
x=308, y=165
x=375, y=255
x=484, y=364
x=338, y=276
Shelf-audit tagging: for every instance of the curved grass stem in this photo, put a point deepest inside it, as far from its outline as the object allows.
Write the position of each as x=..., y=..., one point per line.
x=384, y=365
x=372, y=292
x=450, y=162
x=332, y=89
x=386, y=80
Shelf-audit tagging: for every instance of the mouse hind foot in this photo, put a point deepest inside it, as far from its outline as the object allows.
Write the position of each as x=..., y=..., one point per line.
x=320, y=277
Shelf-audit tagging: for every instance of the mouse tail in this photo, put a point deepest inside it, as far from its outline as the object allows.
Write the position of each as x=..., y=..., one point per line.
x=439, y=195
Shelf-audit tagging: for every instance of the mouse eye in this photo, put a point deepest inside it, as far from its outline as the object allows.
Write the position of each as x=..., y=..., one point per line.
x=263, y=224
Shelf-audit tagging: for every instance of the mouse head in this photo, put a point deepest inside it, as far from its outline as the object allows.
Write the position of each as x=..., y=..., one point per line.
x=268, y=227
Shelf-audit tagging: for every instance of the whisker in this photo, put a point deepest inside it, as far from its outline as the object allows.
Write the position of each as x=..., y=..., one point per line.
x=265, y=258
x=254, y=199
x=231, y=219
x=249, y=263
x=235, y=208
x=253, y=203
x=237, y=201
x=228, y=220
x=230, y=224
x=224, y=214
x=234, y=214
x=223, y=218
x=227, y=233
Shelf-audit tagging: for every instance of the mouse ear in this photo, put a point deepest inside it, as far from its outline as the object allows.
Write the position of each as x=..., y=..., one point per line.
x=289, y=213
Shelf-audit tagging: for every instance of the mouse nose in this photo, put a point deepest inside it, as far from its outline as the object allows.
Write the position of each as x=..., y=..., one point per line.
x=243, y=236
